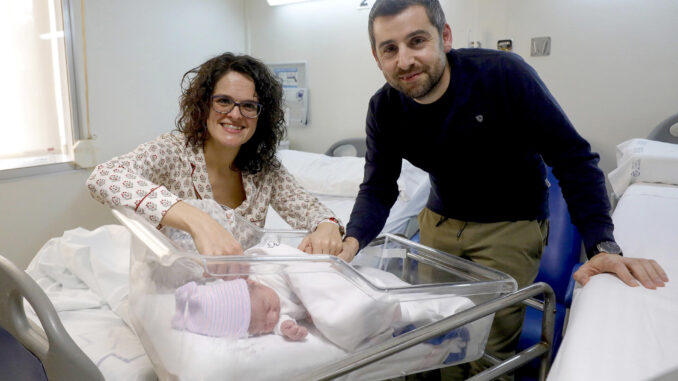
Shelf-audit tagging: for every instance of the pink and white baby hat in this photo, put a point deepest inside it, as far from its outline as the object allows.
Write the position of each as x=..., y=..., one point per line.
x=220, y=308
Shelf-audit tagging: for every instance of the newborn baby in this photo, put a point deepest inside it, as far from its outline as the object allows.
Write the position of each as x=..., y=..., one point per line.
x=233, y=308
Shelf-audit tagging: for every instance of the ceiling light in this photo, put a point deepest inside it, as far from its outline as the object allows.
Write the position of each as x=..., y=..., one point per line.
x=273, y=3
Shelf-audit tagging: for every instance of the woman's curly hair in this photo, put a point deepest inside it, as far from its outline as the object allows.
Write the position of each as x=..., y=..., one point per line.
x=197, y=87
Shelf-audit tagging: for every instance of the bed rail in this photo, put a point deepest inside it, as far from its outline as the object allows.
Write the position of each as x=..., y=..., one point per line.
x=400, y=343
x=61, y=358
x=666, y=131
x=348, y=147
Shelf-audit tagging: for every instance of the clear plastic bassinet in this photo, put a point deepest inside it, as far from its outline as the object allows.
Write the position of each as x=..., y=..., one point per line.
x=391, y=288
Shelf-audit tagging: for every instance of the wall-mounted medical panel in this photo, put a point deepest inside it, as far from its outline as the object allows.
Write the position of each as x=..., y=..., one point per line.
x=292, y=75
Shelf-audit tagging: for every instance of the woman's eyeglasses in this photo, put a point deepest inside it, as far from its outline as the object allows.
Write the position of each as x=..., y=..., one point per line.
x=224, y=104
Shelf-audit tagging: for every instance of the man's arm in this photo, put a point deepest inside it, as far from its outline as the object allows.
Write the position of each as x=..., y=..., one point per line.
x=379, y=189
x=583, y=184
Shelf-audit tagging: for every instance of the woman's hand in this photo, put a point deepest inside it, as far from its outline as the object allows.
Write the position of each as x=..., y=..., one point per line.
x=209, y=236
x=326, y=239
x=213, y=239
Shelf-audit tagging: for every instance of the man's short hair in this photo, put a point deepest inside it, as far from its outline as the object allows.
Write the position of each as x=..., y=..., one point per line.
x=393, y=7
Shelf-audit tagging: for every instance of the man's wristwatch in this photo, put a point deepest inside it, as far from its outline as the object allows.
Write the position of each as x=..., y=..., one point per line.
x=609, y=247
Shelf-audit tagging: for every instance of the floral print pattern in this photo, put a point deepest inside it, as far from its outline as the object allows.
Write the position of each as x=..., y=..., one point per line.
x=158, y=174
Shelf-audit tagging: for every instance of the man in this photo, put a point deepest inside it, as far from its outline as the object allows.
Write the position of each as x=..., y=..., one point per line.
x=482, y=124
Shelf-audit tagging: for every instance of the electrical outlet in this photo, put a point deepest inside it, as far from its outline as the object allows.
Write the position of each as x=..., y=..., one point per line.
x=505, y=45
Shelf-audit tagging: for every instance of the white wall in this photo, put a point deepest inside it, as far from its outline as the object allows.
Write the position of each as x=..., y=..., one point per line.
x=612, y=63
x=331, y=36
x=137, y=52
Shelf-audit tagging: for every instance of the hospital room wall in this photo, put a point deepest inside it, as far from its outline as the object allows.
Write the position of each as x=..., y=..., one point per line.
x=330, y=36
x=137, y=52
x=612, y=63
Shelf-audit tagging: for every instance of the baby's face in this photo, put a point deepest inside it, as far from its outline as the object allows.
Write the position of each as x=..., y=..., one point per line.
x=265, y=308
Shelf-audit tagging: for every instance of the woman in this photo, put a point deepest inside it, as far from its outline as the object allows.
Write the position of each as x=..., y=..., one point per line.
x=229, y=126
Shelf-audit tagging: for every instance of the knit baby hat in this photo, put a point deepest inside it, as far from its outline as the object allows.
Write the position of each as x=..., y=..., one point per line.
x=220, y=308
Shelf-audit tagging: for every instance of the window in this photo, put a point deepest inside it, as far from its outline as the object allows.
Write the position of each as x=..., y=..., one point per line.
x=36, y=115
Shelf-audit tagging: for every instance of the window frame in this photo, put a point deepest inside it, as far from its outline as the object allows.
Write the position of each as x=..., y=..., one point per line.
x=67, y=13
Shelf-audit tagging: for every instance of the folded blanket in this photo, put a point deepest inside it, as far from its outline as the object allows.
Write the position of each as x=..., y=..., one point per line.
x=85, y=269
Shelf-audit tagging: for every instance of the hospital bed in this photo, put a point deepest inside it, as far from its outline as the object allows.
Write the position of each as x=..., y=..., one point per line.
x=616, y=332
x=85, y=276
x=334, y=178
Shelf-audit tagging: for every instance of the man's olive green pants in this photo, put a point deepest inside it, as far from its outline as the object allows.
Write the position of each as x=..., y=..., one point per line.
x=513, y=247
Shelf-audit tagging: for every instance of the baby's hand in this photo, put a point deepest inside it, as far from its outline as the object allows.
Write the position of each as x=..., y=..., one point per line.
x=292, y=330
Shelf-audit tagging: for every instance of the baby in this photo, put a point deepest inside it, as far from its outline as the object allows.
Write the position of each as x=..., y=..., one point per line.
x=234, y=308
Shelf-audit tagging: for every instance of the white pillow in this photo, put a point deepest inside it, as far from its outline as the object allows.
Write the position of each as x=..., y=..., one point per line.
x=342, y=176
x=322, y=174
x=642, y=160
x=411, y=181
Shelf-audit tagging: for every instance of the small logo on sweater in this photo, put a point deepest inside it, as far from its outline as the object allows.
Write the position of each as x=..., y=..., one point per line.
x=479, y=118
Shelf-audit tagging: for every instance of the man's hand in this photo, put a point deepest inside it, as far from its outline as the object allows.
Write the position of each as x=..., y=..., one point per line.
x=349, y=249
x=629, y=270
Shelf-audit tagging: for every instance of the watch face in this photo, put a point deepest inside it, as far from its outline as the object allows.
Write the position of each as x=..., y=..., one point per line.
x=609, y=247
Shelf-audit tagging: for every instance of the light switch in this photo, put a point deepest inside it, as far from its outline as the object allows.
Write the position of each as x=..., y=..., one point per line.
x=541, y=46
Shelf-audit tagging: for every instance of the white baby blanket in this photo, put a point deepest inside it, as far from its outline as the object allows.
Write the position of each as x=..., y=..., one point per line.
x=346, y=313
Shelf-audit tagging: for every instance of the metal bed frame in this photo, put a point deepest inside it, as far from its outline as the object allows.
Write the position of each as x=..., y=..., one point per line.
x=62, y=359
x=427, y=332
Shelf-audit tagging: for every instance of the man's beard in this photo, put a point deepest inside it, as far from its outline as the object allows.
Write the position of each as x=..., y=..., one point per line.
x=431, y=80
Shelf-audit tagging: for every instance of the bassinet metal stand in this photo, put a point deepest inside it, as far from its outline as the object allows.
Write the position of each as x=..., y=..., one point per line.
x=400, y=343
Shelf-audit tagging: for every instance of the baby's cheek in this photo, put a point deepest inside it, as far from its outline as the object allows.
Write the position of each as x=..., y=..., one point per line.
x=256, y=324
x=273, y=317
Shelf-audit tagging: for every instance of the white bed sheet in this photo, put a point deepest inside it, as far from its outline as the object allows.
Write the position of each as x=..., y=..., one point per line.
x=91, y=313
x=84, y=273
x=616, y=332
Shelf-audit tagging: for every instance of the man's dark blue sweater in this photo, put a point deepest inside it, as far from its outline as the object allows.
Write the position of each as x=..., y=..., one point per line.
x=484, y=144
